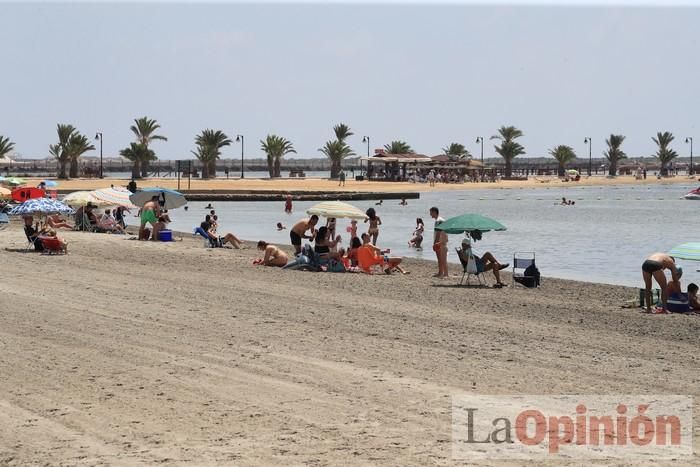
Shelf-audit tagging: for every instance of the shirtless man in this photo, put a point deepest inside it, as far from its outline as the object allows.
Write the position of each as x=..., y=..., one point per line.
x=654, y=267
x=273, y=255
x=148, y=214
x=299, y=231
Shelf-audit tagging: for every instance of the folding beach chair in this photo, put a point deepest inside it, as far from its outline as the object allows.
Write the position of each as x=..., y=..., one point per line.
x=32, y=239
x=469, y=267
x=525, y=271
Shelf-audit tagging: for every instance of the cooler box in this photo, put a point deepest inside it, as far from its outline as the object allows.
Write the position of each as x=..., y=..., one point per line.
x=165, y=235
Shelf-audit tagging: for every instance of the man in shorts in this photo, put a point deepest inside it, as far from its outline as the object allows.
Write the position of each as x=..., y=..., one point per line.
x=299, y=231
x=653, y=267
x=148, y=215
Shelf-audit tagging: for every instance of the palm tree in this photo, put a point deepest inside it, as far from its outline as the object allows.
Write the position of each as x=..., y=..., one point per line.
x=509, y=148
x=664, y=154
x=137, y=153
x=614, y=154
x=144, y=130
x=342, y=132
x=276, y=147
x=6, y=146
x=209, y=144
x=77, y=146
x=564, y=155
x=336, y=151
x=60, y=149
x=398, y=147
x=456, y=151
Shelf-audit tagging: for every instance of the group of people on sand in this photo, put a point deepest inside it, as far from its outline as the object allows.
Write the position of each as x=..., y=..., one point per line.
x=86, y=218
x=672, y=298
x=362, y=254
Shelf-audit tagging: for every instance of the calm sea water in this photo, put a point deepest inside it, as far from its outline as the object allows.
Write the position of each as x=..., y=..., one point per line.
x=603, y=238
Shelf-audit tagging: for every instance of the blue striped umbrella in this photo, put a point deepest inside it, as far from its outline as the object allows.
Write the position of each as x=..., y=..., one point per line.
x=41, y=206
x=689, y=251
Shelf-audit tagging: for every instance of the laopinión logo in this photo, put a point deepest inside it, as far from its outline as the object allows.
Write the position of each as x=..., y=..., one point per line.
x=572, y=426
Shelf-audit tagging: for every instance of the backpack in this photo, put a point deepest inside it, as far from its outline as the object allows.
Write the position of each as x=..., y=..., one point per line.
x=530, y=278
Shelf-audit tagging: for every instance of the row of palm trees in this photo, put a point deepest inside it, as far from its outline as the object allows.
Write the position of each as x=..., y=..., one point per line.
x=208, y=145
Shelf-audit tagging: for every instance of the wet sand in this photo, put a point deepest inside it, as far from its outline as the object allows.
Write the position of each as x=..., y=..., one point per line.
x=127, y=352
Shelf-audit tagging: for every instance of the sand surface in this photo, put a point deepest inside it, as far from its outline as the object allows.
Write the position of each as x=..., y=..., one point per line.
x=134, y=353
x=318, y=184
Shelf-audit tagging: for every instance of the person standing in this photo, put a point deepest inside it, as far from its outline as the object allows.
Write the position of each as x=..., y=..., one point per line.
x=299, y=231
x=341, y=178
x=439, y=244
x=653, y=267
x=288, y=204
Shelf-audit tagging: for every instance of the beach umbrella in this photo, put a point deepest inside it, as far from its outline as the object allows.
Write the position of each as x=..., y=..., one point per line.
x=82, y=198
x=5, y=193
x=572, y=172
x=468, y=223
x=336, y=209
x=117, y=196
x=50, y=183
x=41, y=206
x=690, y=251
x=168, y=199
x=14, y=181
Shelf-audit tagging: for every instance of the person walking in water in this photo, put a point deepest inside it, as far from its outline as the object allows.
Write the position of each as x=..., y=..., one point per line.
x=653, y=267
x=288, y=204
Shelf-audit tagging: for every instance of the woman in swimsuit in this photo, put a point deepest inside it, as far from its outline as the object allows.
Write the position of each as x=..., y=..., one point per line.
x=273, y=255
x=323, y=245
x=417, y=239
x=653, y=267
x=374, y=223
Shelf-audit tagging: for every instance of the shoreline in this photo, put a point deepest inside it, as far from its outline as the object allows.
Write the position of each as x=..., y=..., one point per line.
x=286, y=185
x=129, y=352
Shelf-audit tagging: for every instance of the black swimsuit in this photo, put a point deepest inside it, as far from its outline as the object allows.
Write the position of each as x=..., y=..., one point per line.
x=651, y=266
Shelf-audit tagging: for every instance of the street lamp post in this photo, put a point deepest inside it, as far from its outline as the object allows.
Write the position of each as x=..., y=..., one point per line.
x=239, y=139
x=98, y=135
x=365, y=139
x=589, y=142
x=689, y=139
x=480, y=139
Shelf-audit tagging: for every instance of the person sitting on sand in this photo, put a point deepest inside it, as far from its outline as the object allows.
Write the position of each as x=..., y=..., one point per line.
x=693, y=300
x=417, y=239
x=166, y=216
x=324, y=245
x=280, y=226
x=274, y=256
x=653, y=267
x=674, y=287
x=299, y=229
x=61, y=241
x=109, y=224
x=369, y=256
x=57, y=222
x=119, y=216
x=351, y=254
x=485, y=262
x=157, y=227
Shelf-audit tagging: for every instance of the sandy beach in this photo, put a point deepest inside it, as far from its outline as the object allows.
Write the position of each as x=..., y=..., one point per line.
x=125, y=352
x=319, y=184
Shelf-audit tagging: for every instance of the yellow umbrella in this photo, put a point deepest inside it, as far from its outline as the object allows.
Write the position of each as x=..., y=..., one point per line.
x=336, y=209
x=81, y=198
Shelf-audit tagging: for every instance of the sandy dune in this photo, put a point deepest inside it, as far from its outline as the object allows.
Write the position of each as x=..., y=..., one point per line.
x=125, y=352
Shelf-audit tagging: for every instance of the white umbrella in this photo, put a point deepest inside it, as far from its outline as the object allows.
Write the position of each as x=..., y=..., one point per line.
x=336, y=209
x=114, y=197
x=82, y=198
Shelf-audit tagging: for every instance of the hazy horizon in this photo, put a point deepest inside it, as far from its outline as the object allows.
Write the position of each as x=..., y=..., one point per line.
x=426, y=74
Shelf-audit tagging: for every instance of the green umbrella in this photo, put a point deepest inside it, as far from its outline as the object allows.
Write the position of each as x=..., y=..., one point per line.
x=468, y=223
x=689, y=251
x=14, y=181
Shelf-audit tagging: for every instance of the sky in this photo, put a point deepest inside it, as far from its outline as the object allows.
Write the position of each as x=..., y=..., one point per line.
x=429, y=74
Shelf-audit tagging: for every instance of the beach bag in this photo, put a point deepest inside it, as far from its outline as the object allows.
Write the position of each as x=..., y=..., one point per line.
x=530, y=277
x=678, y=303
x=336, y=266
x=472, y=267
